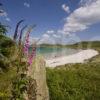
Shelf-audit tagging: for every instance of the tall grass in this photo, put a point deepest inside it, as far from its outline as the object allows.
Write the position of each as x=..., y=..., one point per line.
x=74, y=82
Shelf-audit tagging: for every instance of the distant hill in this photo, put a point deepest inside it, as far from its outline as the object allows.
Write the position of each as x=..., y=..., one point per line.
x=82, y=44
x=86, y=45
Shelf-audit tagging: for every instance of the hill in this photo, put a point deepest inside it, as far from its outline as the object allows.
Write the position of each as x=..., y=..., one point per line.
x=84, y=44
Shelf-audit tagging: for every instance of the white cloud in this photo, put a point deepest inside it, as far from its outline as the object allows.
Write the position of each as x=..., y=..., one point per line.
x=3, y=13
x=56, y=36
x=50, y=32
x=65, y=8
x=83, y=17
x=86, y=2
x=8, y=19
x=47, y=38
x=33, y=40
x=26, y=4
x=80, y=19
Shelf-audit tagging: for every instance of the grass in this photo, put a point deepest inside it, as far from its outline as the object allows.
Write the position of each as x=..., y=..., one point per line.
x=74, y=82
x=5, y=83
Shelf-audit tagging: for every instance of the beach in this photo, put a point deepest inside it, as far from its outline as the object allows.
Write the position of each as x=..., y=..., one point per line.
x=79, y=57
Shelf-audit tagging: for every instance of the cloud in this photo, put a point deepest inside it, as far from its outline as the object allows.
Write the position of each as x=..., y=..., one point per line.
x=83, y=17
x=50, y=32
x=8, y=19
x=26, y=4
x=3, y=13
x=80, y=19
x=45, y=35
x=33, y=40
x=56, y=36
x=86, y=2
x=47, y=38
x=51, y=37
x=65, y=8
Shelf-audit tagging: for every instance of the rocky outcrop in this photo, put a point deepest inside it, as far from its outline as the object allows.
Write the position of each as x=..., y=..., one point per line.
x=39, y=74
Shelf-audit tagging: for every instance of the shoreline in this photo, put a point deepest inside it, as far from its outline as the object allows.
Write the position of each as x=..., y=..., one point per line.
x=79, y=57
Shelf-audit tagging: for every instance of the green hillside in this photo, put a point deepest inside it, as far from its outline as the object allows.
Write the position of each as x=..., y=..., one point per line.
x=86, y=44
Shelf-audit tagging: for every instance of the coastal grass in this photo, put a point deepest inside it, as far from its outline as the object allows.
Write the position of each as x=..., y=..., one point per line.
x=74, y=82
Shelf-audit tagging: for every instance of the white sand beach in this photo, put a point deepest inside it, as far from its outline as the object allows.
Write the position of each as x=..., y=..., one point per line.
x=79, y=57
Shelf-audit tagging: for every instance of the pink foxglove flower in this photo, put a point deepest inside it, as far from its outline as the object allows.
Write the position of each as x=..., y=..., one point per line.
x=26, y=45
x=32, y=55
x=26, y=48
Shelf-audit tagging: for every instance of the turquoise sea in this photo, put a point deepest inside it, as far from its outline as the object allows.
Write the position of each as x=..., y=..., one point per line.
x=53, y=52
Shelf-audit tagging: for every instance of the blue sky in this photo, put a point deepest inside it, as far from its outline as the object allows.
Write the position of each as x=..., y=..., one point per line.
x=55, y=18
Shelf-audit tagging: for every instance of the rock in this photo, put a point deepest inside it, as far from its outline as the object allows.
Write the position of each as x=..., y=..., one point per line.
x=39, y=74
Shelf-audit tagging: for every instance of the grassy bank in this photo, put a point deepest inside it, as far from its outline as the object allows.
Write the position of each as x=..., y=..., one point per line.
x=76, y=81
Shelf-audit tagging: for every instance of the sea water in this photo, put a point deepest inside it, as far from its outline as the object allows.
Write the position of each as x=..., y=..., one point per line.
x=53, y=52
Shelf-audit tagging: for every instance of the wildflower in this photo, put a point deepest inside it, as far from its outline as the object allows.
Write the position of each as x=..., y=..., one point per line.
x=16, y=30
x=21, y=34
x=32, y=55
x=26, y=45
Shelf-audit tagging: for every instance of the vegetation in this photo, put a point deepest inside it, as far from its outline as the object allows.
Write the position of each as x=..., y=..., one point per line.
x=68, y=82
x=7, y=71
x=3, y=29
x=76, y=81
x=71, y=82
x=86, y=45
x=5, y=46
x=16, y=82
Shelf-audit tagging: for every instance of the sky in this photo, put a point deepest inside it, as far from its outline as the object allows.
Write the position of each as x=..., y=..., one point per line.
x=57, y=21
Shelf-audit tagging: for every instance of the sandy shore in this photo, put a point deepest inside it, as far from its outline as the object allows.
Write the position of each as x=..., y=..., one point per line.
x=79, y=57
